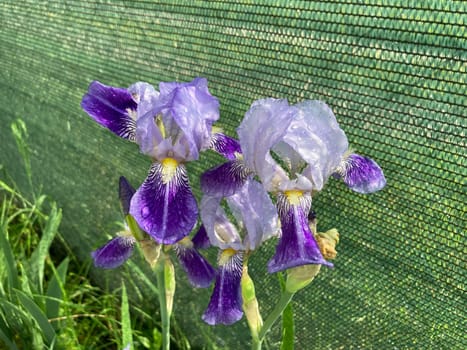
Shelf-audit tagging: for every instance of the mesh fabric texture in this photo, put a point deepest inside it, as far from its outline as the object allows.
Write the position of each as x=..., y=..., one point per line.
x=394, y=73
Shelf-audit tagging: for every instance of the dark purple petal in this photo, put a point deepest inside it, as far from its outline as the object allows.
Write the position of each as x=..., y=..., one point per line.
x=200, y=273
x=297, y=245
x=200, y=239
x=225, y=146
x=225, y=179
x=125, y=192
x=225, y=305
x=114, y=253
x=111, y=107
x=363, y=174
x=164, y=205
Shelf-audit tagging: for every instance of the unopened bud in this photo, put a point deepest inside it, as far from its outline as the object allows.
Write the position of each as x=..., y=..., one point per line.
x=169, y=275
x=301, y=276
x=250, y=303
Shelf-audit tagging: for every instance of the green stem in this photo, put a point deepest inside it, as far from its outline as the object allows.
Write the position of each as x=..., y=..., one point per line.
x=256, y=344
x=285, y=299
x=165, y=317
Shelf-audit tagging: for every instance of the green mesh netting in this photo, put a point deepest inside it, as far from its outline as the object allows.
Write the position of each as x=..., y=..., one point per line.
x=394, y=72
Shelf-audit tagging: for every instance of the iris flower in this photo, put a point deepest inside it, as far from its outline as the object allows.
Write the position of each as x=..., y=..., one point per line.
x=119, y=249
x=293, y=150
x=249, y=218
x=172, y=126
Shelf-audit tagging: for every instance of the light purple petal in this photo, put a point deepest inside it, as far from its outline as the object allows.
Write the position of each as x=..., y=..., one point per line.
x=263, y=126
x=145, y=95
x=314, y=138
x=125, y=192
x=253, y=207
x=363, y=174
x=166, y=210
x=187, y=112
x=200, y=273
x=225, y=146
x=225, y=306
x=200, y=239
x=297, y=245
x=225, y=179
x=221, y=232
x=111, y=107
x=114, y=253
x=291, y=147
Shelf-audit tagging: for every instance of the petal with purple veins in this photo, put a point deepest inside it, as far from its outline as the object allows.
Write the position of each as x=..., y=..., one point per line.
x=111, y=107
x=225, y=146
x=200, y=273
x=164, y=205
x=225, y=306
x=225, y=179
x=114, y=253
x=362, y=174
x=297, y=245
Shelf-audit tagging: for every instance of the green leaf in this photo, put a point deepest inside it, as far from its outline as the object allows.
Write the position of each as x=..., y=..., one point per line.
x=39, y=255
x=8, y=259
x=127, y=338
x=6, y=340
x=36, y=313
x=56, y=290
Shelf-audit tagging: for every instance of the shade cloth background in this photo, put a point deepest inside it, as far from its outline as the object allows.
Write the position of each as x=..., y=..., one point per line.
x=394, y=72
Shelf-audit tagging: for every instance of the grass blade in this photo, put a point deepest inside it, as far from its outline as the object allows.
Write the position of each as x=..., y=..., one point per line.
x=9, y=344
x=36, y=313
x=127, y=338
x=38, y=257
x=55, y=290
x=8, y=258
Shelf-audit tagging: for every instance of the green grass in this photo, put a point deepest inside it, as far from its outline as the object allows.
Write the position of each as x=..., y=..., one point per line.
x=50, y=293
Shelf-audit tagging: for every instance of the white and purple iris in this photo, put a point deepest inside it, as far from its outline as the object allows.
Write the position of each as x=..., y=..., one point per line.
x=293, y=150
x=172, y=126
x=237, y=224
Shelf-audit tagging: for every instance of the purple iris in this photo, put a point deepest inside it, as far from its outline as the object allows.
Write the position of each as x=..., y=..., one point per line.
x=249, y=218
x=119, y=249
x=171, y=126
x=293, y=150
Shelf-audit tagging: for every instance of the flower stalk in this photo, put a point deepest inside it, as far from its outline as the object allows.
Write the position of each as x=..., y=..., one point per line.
x=165, y=298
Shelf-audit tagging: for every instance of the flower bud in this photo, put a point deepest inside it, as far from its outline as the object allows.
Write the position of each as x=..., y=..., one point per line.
x=250, y=304
x=301, y=276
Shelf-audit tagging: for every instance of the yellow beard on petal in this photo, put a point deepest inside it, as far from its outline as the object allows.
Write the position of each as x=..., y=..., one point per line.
x=293, y=196
x=226, y=255
x=169, y=168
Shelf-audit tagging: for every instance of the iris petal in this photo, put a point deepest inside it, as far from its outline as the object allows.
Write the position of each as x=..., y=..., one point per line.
x=225, y=179
x=297, y=245
x=125, y=192
x=363, y=174
x=200, y=239
x=225, y=145
x=164, y=205
x=200, y=273
x=111, y=107
x=225, y=306
x=114, y=253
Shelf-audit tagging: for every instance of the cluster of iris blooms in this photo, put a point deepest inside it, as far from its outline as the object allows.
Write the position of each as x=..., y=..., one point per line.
x=282, y=156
